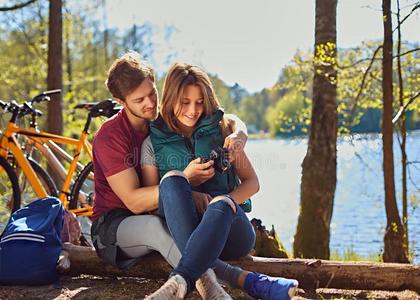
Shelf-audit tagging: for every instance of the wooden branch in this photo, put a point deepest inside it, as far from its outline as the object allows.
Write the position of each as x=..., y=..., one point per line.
x=379, y=58
x=403, y=108
x=311, y=274
x=362, y=60
x=407, y=52
x=17, y=6
x=362, y=86
x=417, y=6
x=413, y=182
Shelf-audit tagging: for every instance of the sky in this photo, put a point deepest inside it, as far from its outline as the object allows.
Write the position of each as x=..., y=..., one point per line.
x=247, y=41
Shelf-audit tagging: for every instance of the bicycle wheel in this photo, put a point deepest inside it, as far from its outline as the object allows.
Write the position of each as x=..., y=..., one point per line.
x=83, y=189
x=26, y=191
x=9, y=192
x=81, y=195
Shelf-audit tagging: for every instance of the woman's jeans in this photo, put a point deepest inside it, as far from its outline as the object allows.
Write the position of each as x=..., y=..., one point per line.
x=219, y=233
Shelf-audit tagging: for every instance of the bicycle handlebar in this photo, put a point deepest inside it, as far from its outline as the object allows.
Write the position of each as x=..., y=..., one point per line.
x=3, y=104
x=52, y=92
x=27, y=109
x=45, y=96
x=105, y=108
x=21, y=110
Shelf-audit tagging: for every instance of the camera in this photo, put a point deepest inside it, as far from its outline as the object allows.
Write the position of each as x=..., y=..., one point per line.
x=220, y=157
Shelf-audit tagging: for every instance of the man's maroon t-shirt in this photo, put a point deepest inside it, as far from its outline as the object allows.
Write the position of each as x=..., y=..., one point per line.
x=116, y=147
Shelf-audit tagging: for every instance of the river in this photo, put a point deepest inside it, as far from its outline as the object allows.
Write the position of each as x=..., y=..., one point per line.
x=359, y=218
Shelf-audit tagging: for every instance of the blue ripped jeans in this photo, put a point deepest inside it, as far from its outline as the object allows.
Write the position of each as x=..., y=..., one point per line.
x=219, y=233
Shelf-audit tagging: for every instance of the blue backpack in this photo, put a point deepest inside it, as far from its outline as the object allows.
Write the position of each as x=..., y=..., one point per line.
x=30, y=244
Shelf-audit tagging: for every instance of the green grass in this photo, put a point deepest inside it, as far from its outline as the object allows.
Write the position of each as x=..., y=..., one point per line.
x=351, y=255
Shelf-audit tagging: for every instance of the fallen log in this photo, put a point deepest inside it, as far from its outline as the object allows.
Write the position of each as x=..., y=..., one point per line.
x=84, y=260
x=311, y=274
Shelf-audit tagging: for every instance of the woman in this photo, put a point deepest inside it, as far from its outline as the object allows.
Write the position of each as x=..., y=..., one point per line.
x=204, y=216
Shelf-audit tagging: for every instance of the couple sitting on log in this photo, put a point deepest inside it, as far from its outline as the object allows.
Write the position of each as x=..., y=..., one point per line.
x=177, y=183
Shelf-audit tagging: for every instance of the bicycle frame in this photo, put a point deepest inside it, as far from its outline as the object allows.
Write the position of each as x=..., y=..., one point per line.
x=9, y=142
x=53, y=153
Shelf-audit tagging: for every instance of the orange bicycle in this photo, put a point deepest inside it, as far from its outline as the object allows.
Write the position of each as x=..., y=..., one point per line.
x=70, y=195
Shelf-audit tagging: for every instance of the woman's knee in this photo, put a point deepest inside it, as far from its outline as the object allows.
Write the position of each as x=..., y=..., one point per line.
x=173, y=183
x=174, y=191
x=173, y=173
x=225, y=199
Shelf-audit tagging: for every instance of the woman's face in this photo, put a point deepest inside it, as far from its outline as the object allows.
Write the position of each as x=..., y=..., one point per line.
x=191, y=106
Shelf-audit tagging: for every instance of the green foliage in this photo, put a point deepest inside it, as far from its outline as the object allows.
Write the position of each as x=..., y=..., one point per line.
x=223, y=94
x=359, y=89
x=88, y=52
x=290, y=113
x=252, y=111
x=284, y=108
x=24, y=54
x=325, y=62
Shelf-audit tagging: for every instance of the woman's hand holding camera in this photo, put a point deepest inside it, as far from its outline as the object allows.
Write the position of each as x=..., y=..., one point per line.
x=198, y=172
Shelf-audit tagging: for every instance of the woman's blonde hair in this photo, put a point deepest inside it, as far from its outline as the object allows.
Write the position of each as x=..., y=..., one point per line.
x=179, y=76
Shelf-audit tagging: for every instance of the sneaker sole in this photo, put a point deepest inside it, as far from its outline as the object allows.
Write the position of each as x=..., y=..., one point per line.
x=293, y=291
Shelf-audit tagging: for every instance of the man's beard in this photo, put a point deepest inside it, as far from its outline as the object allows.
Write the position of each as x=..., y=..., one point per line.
x=141, y=116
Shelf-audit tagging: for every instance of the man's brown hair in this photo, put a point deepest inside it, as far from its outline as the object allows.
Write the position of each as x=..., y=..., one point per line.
x=127, y=73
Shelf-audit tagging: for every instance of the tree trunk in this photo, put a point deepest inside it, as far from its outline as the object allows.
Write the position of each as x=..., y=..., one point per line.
x=319, y=166
x=106, y=34
x=69, y=65
x=95, y=66
x=393, y=240
x=55, y=69
x=403, y=142
x=311, y=274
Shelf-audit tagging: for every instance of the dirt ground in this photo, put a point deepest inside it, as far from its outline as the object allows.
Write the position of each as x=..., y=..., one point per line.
x=95, y=287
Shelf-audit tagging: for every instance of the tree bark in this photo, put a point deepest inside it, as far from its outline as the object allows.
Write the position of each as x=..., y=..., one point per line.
x=311, y=274
x=106, y=33
x=393, y=239
x=319, y=166
x=55, y=69
x=69, y=65
x=403, y=131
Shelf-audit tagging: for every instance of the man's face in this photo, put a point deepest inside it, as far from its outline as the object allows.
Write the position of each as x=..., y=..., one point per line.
x=142, y=102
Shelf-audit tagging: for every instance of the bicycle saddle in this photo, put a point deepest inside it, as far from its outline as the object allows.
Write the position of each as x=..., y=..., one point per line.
x=106, y=108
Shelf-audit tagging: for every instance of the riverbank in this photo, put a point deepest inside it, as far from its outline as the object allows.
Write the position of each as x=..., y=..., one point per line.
x=124, y=288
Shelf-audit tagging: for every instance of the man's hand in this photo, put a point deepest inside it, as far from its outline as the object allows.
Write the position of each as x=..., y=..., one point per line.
x=235, y=143
x=201, y=200
x=197, y=172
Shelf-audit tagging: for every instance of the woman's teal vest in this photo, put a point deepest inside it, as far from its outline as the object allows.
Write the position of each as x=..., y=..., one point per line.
x=174, y=152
